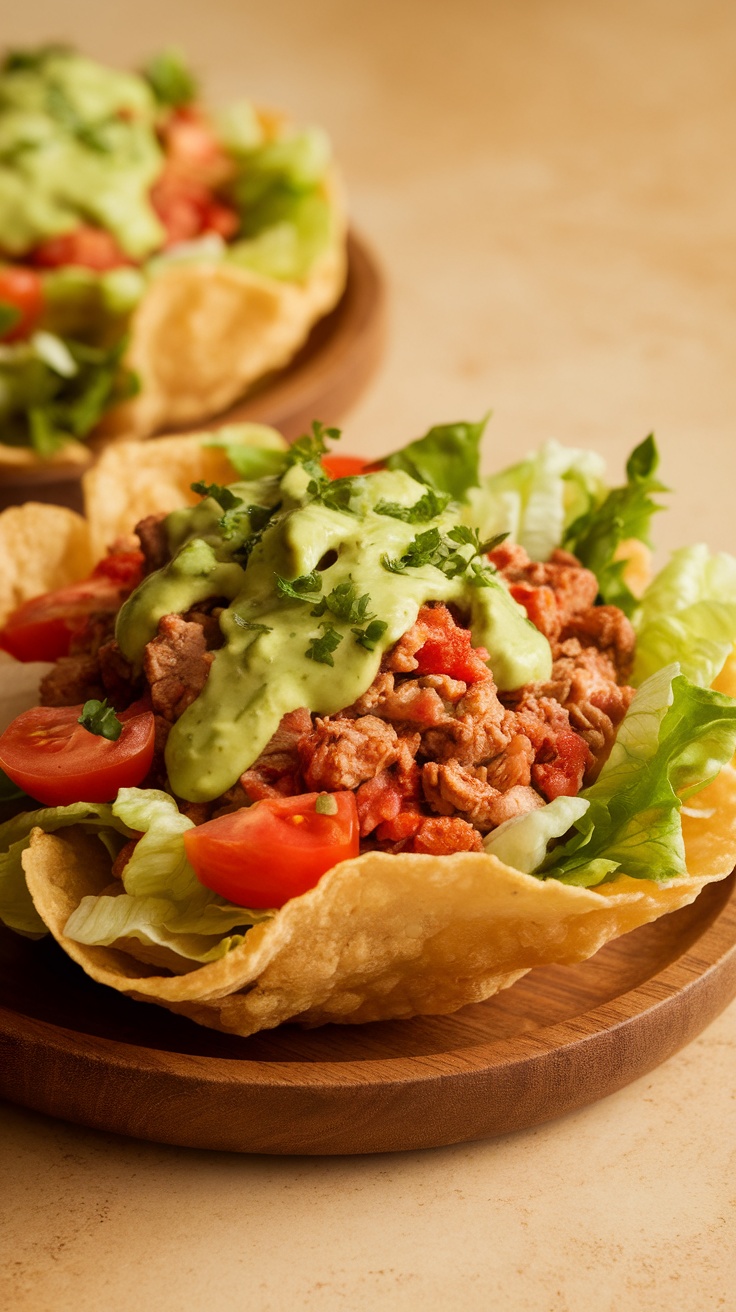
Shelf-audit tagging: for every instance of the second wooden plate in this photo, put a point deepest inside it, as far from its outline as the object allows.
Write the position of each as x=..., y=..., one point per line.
x=562, y=1037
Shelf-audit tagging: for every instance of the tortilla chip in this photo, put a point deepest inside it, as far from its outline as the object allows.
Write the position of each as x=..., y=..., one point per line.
x=71, y=453
x=42, y=547
x=380, y=937
x=134, y=479
x=204, y=333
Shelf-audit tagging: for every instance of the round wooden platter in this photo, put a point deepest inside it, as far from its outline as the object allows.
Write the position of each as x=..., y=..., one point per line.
x=322, y=382
x=562, y=1037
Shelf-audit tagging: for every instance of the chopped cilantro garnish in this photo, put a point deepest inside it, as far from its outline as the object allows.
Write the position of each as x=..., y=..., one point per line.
x=225, y=499
x=304, y=588
x=427, y=507
x=100, y=719
x=325, y=804
x=345, y=604
x=251, y=625
x=441, y=550
x=371, y=635
x=321, y=649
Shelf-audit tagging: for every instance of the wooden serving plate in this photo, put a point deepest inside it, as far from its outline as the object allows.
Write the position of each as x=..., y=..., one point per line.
x=322, y=381
x=560, y=1038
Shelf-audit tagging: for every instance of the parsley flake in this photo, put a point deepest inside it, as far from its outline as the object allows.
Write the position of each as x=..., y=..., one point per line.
x=100, y=719
x=320, y=649
x=429, y=506
x=251, y=625
x=305, y=588
x=371, y=635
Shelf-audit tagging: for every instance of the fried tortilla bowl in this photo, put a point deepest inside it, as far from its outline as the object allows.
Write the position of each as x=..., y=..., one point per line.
x=383, y=937
x=388, y=936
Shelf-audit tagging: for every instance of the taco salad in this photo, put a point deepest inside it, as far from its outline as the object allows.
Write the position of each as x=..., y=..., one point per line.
x=345, y=741
x=156, y=257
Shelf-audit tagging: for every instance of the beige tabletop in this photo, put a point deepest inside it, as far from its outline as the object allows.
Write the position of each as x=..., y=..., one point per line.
x=551, y=187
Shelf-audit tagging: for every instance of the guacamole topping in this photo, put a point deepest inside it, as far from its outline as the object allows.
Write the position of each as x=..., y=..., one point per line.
x=317, y=587
x=77, y=145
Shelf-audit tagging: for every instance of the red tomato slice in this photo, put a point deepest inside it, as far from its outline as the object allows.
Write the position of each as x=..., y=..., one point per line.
x=345, y=466
x=23, y=289
x=265, y=854
x=89, y=248
x=57, y=761
x=42, y=629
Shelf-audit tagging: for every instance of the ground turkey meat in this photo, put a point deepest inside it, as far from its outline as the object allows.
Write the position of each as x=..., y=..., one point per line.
x=341, y=753
x=176, y=664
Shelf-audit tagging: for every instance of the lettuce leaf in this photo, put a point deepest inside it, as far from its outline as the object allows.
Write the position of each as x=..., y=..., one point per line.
x=688, y=614
x=16, y=906
x=447, y=458
x=522, y=842
x=672, y=742
x=626, y=512
x=536, y=500
x=164, y=905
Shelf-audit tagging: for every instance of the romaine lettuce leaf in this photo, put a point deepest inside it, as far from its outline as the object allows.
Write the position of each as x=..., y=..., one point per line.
x=537, y=499
x=673, y=741
x=16, y=906
x=688, y=614
x=522, y=842
x=164, y=904
x=446, y=458
x=595, y=536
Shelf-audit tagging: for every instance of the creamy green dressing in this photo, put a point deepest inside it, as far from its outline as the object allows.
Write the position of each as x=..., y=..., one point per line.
x=77, y=145
x=261, y=674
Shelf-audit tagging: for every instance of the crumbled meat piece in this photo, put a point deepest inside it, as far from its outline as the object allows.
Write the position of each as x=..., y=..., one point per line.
x=97, y=630
x=73, y=679
x=443, y=835
x=421, y=701
x=453, y=787
x=583, y=680
x=154, y=540
x=342, y=753
x=380, y=689
x=610, y=631
x=552, y=592
x=119, y=679
x=276, y=772
x=479, y=730
x=513, y=765
x=176, y=664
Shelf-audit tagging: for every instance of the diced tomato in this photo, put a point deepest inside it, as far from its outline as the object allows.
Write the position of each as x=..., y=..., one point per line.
x=43, y=628
x=563, y=776
x=378, y=799
x=187, y=209
x=344, y=466
x=89, y=248
x=404, y=825
x=22, y=289
x=189, y=142
x=448, y=649
x=265, y=854
x=55, y=759
x=540, y=605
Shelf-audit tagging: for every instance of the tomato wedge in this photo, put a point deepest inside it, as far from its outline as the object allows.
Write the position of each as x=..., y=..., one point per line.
x=57, y=761
x=345, y=466
x=86, y=247
x=42, y=629
x=265, y=854
x=22, y=290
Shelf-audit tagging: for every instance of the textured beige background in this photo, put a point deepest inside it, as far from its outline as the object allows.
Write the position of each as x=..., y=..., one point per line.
x=551, y=186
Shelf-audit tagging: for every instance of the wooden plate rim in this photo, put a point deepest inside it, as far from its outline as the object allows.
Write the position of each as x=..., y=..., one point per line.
x=680, y=977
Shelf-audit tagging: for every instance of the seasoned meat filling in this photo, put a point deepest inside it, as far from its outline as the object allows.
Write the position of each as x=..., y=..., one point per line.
x=436, y=756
